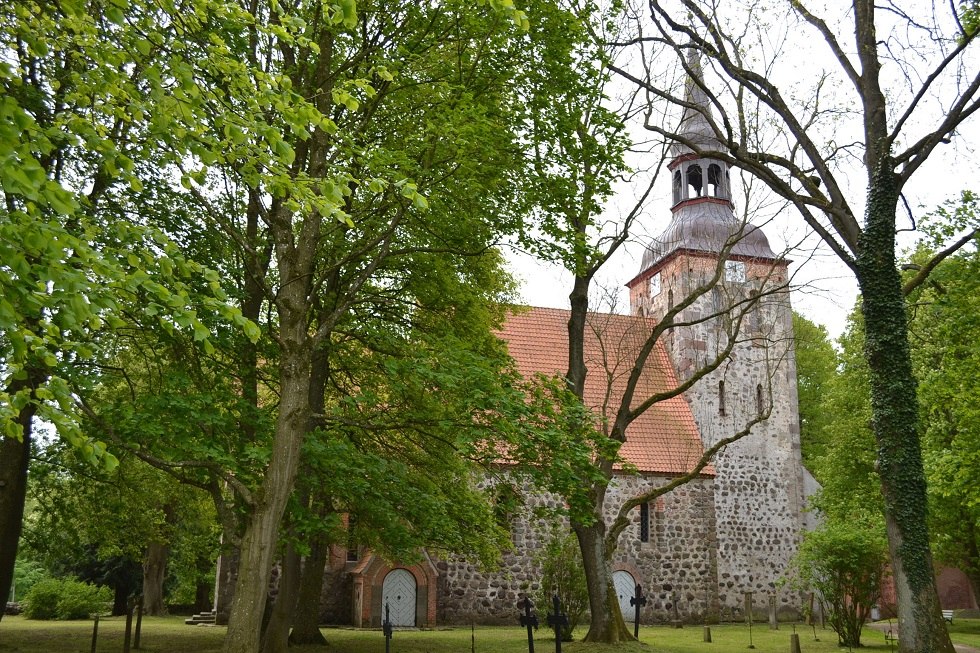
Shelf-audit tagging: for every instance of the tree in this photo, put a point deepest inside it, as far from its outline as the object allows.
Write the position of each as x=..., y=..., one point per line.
x=581, y=156
x=894, y=125
x=943, y=325
x=344, y=157
x=69, y=246
x=941, y=328
x=845, y=563
x=816, y=369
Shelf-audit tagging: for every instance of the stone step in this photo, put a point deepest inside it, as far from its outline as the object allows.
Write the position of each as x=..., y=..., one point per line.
x=201, y=618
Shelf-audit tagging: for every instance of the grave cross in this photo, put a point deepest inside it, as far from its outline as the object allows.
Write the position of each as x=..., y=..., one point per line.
x=637, y=602
x=386, y=627
x=557, y=621
x=529, y=620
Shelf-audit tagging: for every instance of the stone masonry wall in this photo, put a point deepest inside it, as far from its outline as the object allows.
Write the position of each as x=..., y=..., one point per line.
x=759, y=483
x=680, y=554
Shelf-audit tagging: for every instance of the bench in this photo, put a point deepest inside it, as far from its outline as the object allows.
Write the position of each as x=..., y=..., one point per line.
x=948, y=615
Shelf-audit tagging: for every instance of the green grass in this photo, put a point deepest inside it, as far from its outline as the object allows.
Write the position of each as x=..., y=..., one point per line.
x=965, y=631
x=170, y=635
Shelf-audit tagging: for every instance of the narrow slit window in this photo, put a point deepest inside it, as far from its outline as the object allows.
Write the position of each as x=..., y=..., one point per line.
x=759, y=400
x=721, y=397
x=644, y=522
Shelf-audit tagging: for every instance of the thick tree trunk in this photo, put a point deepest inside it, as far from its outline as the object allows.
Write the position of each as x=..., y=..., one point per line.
x=276, y=637
x=154, y=572
x=14, y=456
x=606, y=624
x=306, y=621
x=225, y=584
x=895, y=424
x=261, y=533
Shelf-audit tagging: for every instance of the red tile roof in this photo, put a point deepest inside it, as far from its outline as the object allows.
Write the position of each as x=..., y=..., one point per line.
x=665, y=438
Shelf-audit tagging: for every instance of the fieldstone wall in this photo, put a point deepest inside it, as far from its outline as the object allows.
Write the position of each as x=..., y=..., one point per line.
x=679, y=561
x=759, y=488
x=678, y=558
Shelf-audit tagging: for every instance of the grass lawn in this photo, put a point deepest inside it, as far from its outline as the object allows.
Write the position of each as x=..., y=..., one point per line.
x=170, y=635
x=965, y=631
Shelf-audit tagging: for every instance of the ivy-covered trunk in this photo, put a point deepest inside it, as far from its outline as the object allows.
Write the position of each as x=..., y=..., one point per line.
x=895, y=422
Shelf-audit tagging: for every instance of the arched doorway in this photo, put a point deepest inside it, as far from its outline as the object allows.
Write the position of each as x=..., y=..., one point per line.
x=625, y=586
x=398, y=592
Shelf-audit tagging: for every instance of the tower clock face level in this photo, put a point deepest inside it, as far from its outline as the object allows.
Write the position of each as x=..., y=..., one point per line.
x=654, y=285
x=735, y=271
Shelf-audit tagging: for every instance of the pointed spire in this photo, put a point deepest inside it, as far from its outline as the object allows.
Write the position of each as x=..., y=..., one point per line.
x=694, y=126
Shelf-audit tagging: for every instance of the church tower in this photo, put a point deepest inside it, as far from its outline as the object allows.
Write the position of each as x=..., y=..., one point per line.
x=745, y=312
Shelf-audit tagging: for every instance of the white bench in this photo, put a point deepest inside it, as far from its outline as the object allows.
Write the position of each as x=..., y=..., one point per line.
x=948, y=615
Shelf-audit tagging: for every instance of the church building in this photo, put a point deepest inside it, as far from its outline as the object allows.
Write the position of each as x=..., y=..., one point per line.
x=732, y=530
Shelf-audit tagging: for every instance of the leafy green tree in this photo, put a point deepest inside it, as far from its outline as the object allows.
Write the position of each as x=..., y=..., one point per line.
x=79, y=83
x=944, y=327
x=816, y=369
x=845, y=562
x=844, y=463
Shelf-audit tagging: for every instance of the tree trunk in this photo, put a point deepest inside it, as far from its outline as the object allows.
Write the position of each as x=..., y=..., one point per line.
x=14, y=456
x=154, y=572
x=227, y=580
x=607, y=624
x=120, y=598
x=306, y=621
x=261, y=532
x=895, y=423
x=276, y=637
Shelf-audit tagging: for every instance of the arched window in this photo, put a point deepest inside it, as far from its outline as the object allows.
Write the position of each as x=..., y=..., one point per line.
x=694, y=180
x=678, y=187
x=715, y=188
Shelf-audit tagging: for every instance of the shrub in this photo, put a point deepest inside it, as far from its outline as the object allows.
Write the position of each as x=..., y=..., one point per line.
x=563, y=574
x=41, y=602
x=845, y=563
x=64, y=599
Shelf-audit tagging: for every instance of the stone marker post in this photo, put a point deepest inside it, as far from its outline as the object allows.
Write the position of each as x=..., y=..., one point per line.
x=773, y=623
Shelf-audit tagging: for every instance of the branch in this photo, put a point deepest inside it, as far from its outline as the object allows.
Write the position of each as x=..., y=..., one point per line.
x=926, y=269
x=622, y=520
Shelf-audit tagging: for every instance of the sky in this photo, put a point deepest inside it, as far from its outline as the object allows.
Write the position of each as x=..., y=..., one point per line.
x=824, y=289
